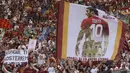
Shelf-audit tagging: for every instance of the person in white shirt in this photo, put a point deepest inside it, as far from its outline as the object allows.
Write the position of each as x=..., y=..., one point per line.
x=124, y=66
x=41, y=59
x=51, y=69
x=76, y=71
x=94, y=69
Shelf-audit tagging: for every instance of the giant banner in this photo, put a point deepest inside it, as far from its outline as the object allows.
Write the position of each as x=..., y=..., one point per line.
x=83, y=36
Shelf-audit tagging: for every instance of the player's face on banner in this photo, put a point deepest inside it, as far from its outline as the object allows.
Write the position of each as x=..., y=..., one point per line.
x=88, y=13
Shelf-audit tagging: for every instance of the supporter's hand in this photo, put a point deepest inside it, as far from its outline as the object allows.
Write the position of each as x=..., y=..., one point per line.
x=77, y=49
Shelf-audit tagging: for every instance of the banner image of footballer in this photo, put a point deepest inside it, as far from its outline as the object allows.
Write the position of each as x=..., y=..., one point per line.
x=88, y=33
x=96, y=32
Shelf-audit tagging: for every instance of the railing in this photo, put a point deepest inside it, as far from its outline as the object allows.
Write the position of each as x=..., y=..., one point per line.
x=121, y=71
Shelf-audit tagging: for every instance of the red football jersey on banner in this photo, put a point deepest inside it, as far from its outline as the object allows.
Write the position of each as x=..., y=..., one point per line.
x=98, y=26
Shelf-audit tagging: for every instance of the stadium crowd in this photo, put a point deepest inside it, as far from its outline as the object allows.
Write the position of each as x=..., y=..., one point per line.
x=37, y=19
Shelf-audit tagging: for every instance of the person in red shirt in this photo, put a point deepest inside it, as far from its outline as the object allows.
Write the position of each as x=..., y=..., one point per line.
x=96, y=30
x=30, y=69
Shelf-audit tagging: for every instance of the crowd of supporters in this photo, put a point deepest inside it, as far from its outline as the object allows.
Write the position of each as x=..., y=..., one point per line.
x=37, y=19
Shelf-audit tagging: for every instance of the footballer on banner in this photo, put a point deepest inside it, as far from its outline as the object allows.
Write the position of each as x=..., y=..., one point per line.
x=96, y=32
